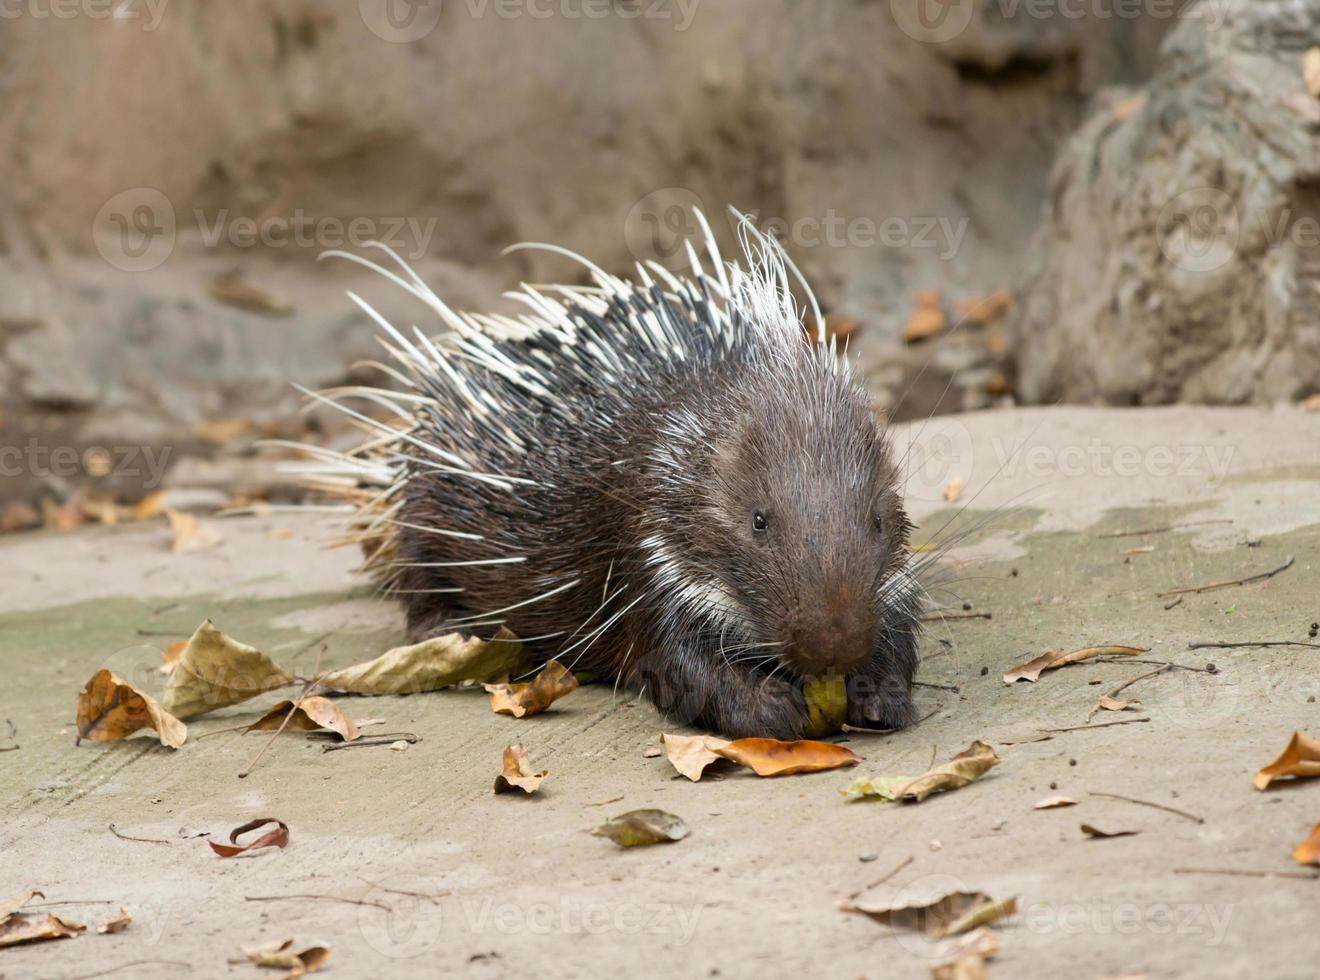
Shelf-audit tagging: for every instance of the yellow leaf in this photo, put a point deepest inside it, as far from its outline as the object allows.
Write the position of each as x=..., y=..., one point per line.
x=441, y=661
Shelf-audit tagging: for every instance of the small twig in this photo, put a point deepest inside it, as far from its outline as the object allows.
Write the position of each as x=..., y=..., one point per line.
x=1156, y=663
x=938, y=687
x=614, y=799
x=276, y=734
x=1175, y=602
x=125, y=966
x=141, y=840
x=11, y=748
x=1228, y=583
x=387, y=738
x=1199, y=645
x=1141, y=677
x=845, y=727
x=1158, y=806
x=1247, y=873
x=400, y=891
x=142, y=632
x=880, y=881
x=82, y=901
x=1103, y=724
x=315, y=898
x=1162, y=530
x=956, y=615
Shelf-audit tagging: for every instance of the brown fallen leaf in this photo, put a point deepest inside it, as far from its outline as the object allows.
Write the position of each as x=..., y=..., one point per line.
x=1032, y=669
x=1053, y=802
x=518, y=772
x=927, y=318
x=116, y=923
x=691, y=754
x=169, y=657
x=1301, y=760
x=524, y=700
x=1107, y=703
x=652, y=752
x=189, y=534
x=311, y=713
x=280, y=956
x=215, y=671
x=14, y=904
x=984, y=310
x=953, y=490
x=1098, y=834
x=1311, y=404
x=1311, y=71
x=938, y=916
x=279, y=837
x=1308, y=851
x=638, y=828
x=220, y=432
x=60, y=517
x=968, y=967
x=883, y=788
x=963, y=957
x=21, y=928
x=827, y=704
x=110, y=710
x=441, y=661
x=233, y=291
x=18, y=516
x=971, y=763
x=152, y=505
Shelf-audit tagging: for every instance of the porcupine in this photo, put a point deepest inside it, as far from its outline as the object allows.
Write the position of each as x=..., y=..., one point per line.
x=665, y=481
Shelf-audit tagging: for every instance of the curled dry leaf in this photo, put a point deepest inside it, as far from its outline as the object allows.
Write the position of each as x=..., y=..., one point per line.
x=152, y=505
x=691, y=754
x=441, y=661
x=116, y=923
x=14, y=904
x=310, y=714
x=189, y=534
x=936, y=915
x=1301, y=760
x=827, y=704
x=1053, y=803
x=231, y=289
x=169, y=657
x=279, y=837
x=963, y=957
x=523, y=700
x=109, y=710
x=637, y=828
x=518, y=772
x=215, y=671
x=1107, y=703
x=1097, y=834
x=984, y=310
x=280, y=956
x=1308, y=851
x=19, y=928
x=971, y=763
x=1032, y=669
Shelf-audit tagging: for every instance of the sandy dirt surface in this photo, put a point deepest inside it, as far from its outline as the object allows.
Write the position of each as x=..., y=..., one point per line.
x=406, y=864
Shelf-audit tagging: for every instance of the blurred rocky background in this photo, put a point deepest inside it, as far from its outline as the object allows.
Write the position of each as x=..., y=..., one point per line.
x=998, y=201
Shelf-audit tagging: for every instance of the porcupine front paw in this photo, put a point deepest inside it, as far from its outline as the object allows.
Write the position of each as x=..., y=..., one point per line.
x=766, y=708
x=877, y=699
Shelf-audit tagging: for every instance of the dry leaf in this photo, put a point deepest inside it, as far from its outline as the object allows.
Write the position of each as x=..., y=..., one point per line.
x=220, y=432
x=985, y=309
x=827, y=704
x=279, y=837
x=1053, y=802
x=938, y=916
x=691, y=754
x=972, y=763
x=14, y=904
x=963, y=957
x=231, y=289
x=215, y=671
x=953, y=491
x=312, y=713
x=169, y=657
x=1308, y=851
x=640, y=827
x=1300, y=759
x=1311, y=71
x=441, y=661
x=518, y=772
x=652, y=751
x=59, y=518
x=280, y=956
x=1107, y=703
x=1311, y=404
x=1098, y=834
x=280, y=534
x=189, y=534
x=969, y=967
x=109, y=710
x=524, y=700
x=883, y=788
x=1032, y=669
x=18, y=516
x=116, y=923
x=20, y=928
x=926, y=320
x=152, y=505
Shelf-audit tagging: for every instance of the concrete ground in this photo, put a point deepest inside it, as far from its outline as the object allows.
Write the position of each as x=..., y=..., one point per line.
x=519, y=886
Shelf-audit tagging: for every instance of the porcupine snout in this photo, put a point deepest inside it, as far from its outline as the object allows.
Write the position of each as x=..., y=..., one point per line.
x=835, y=635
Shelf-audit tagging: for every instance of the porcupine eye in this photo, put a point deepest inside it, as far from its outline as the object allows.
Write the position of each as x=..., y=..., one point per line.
x=759, y=524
